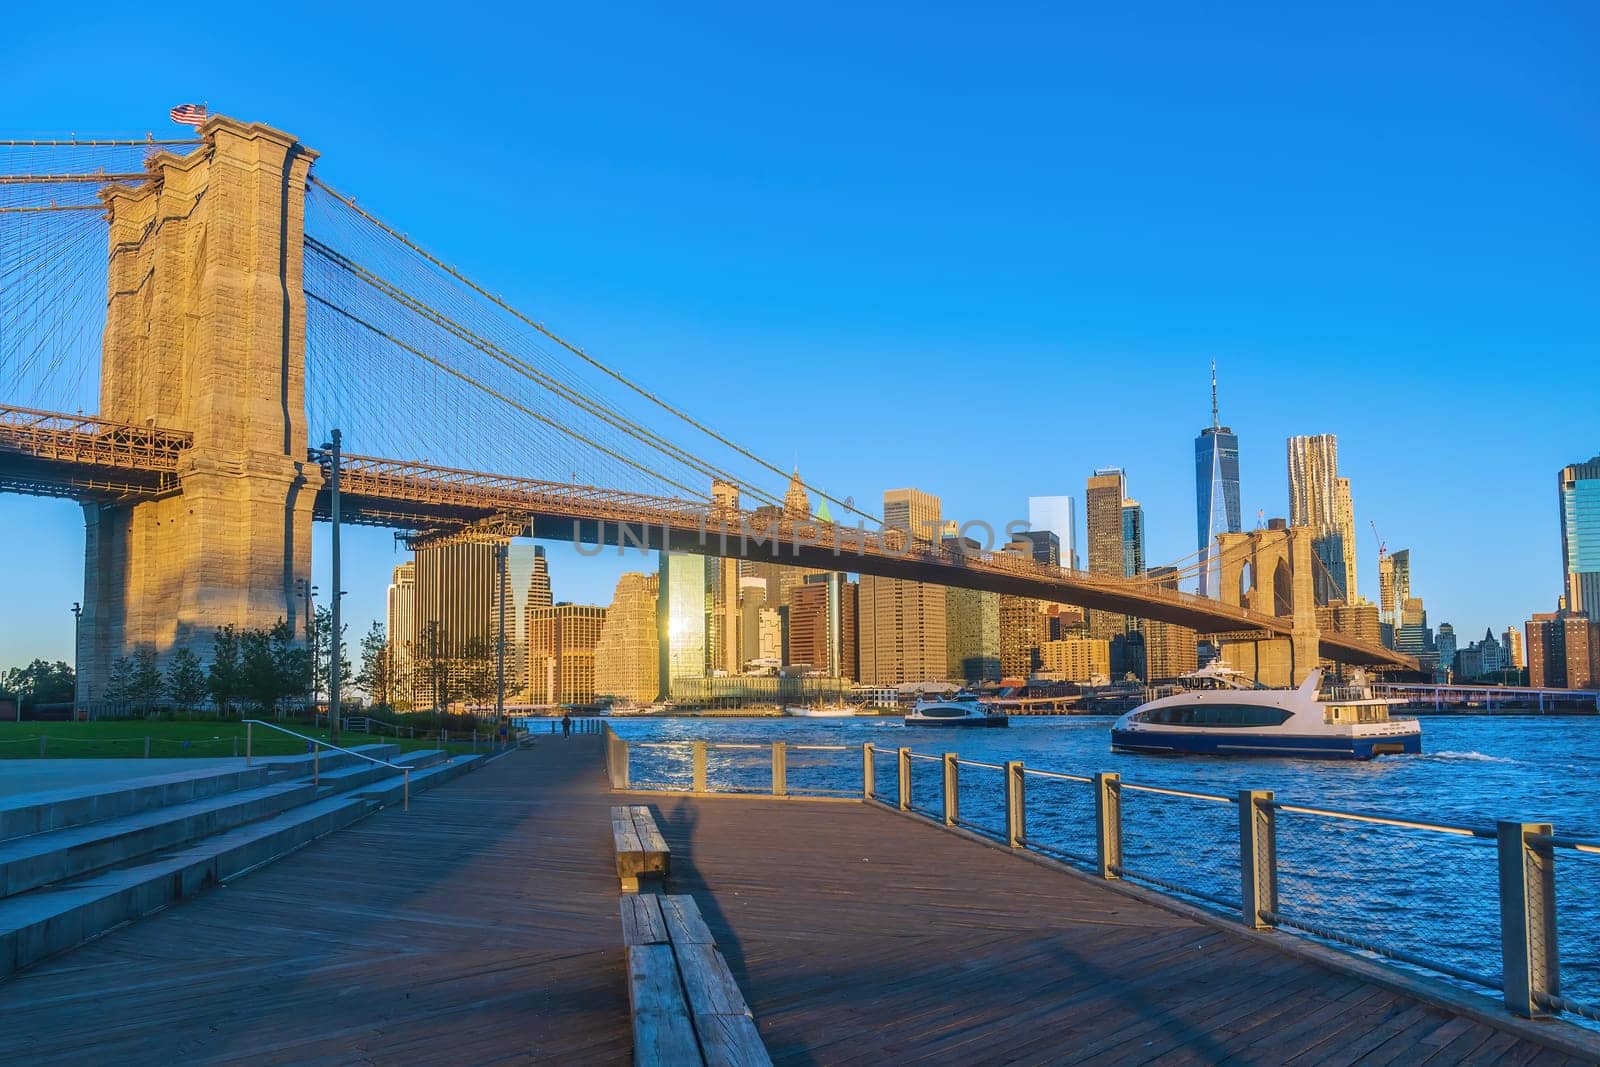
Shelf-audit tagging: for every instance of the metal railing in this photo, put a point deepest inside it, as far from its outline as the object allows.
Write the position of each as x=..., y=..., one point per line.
x=1381, y=884
x=709, y=767
x=316, y=755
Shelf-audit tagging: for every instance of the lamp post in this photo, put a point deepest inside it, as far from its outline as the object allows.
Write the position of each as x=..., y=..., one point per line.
x=77, y=642
x=335, y=651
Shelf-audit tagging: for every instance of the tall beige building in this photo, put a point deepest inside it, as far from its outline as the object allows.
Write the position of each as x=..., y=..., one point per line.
x=1320, y=498
x=1169, y=650
x=902, y=623
x=724, y=586
x=401, y=627
x=455, y=594
x=627, y=659
x=1075, y=659
x=561, y=646
x=1102, y=508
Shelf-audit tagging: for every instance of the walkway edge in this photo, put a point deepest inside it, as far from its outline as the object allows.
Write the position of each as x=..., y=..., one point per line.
x=1554, y=1034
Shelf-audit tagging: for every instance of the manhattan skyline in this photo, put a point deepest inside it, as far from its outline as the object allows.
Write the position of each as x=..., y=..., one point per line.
x=1080, y=292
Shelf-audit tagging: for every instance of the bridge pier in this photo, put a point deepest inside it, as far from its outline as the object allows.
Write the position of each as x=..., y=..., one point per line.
x=1270, y=571
x=205, y=332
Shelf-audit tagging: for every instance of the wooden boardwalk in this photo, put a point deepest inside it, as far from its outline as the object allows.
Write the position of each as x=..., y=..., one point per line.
x=860, y=936
x=479, y=928
x=483, y=928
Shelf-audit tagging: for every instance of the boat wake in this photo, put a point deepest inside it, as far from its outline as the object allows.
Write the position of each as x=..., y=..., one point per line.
x=1467, y=757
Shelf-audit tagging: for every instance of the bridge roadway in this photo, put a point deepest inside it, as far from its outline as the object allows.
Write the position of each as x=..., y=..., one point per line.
x=67, y=455
x=482, y=927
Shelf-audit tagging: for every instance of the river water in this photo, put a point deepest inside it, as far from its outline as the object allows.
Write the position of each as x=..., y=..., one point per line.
x=1420, y=893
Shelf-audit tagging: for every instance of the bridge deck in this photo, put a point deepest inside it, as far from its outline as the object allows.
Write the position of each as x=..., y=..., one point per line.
x=483, y=927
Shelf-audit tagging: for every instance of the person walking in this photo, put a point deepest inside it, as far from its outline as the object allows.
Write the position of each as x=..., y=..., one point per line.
x=566, y=725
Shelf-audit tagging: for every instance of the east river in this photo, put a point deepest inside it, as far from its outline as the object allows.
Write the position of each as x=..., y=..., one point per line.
x=1423, y=893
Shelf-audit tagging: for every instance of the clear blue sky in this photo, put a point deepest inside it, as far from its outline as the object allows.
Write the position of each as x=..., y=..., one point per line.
x=978, y=250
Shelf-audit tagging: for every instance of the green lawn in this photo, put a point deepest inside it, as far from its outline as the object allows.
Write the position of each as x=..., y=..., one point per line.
x=126, y=738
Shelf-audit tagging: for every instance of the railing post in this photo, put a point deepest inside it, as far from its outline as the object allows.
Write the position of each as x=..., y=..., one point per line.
x=869, y=772
x=146, y=748
x=903, y=773
x=699, y=766
x=235, y=746
x=1108, y=823
x=780, y=768
x=1016, y=804
x=405, y=804
x=1258, y=858
x=1527, y=917
x=316, y=764
x=249, y=735
x=952, y=790
x=42, y=739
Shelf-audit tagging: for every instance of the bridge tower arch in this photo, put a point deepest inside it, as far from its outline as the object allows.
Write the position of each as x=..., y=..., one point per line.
x=205, y=332
x=1270, y=571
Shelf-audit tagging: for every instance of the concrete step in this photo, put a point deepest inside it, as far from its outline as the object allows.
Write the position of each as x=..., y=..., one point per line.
x=57, y=855
x=55, y=809
x=424, y=757
x=350, y=778
x=47, y=921
x=301, y=765
x=391, y=791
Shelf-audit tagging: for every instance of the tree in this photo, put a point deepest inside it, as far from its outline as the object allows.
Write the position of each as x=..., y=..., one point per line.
x=226, y=677
x=323, y=637
x=119, y=681
x=377, y=666
x=42, y=682
x=478, y=679
x=186, y=682
x=272, y=665
x=145, y=684
x=432, y=664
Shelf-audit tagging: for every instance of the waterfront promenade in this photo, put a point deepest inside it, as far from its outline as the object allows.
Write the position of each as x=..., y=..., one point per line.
x=482, y=927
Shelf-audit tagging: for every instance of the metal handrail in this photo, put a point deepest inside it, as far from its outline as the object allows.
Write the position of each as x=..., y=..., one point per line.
x=1179, y=793
x=1385, y=820
x=1577, y=844
x=978, y=763
x=316, y=768
x=1058, y=776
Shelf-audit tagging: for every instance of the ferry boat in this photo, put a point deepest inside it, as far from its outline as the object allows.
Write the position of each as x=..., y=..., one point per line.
x=1345, y=723
x=963, y=709
x=822, y=711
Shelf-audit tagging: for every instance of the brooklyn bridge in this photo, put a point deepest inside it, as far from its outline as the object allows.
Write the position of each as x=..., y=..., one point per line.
x=220, y=309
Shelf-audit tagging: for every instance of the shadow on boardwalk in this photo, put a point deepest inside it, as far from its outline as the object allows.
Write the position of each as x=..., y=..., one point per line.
x=481, y=926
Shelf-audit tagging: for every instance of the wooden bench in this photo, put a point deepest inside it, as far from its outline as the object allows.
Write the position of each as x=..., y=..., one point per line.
x=687, y=1008
x=641, y=850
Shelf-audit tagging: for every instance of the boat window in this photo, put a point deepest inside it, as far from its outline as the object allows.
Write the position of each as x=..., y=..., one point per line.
x=943, y=713
x=1347, y=713
x=1238, y=716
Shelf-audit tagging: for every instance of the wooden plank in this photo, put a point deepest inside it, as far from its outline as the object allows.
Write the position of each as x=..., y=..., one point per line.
x=684, y=924
x=731, y=1041
x=662, y=1031
x=649, y=833
x=642, y=923
x=707, y=981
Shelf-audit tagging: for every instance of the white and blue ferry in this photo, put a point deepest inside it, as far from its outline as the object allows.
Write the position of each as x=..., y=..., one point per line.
x=1345, y=723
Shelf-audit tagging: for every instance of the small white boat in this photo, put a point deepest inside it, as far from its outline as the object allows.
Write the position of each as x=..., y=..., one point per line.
x=963, y=709
x=822, y=711
x=1346, y=723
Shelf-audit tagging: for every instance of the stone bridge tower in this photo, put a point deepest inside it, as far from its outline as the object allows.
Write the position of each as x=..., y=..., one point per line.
x=1270, y=571
x=205, y=332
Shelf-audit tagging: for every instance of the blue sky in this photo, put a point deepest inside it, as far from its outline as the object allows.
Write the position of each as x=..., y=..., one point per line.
x=978, y=250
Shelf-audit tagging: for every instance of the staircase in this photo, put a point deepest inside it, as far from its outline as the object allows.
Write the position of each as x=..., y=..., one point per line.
x=76, y=862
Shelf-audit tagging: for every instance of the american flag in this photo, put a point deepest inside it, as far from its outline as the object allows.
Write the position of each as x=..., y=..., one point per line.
x=189, y=114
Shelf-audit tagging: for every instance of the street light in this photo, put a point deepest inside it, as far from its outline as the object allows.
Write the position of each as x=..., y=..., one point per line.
x=308, y=593
x=335, y=656
x=77, y=642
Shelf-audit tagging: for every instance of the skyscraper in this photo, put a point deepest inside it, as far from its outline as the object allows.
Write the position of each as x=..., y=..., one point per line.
x=1320, y=499
x=822, y=625
x=1057, y=515
x=724, y=581
x=525, y=586
x=902, y=623
x=627, y=659
x=1170, y=650
x=1344, y=520
x=1580, y=537
x=454, y=627
x=561, y=643
x=1132, y=539
x=1394, y=584
x=401, y=628
x=1216, y=487
x=681, y=622
x=1102, y=502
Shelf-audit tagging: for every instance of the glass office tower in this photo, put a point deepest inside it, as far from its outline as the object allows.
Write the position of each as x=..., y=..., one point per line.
x=1216, y=490
x=1580, y=537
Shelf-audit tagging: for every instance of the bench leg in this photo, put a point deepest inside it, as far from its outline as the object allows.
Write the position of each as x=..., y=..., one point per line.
x=630, y=885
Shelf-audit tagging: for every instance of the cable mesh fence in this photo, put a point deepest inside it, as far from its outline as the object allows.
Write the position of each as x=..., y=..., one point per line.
x=661, y=766
x=1578, y=927
x=1183, y=844
x=1422, y=897
x=1061, y=818
x=927, y=785
x=981, y=791
x=824, y=770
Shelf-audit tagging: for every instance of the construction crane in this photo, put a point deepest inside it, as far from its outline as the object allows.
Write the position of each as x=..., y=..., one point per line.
x=1383, y=548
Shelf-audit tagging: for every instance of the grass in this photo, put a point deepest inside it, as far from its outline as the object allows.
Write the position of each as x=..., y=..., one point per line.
x=127, y=738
